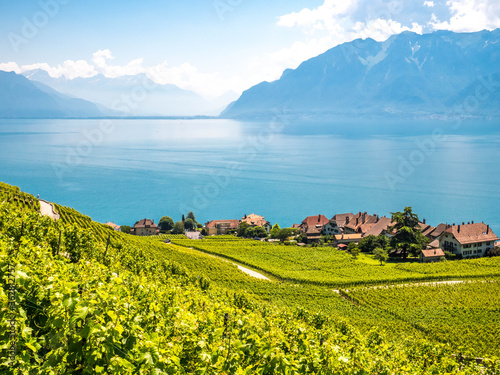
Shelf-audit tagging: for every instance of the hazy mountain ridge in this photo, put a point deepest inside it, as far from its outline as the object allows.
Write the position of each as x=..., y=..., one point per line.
x=407, y=75
x=136, y=95
x=21, y=98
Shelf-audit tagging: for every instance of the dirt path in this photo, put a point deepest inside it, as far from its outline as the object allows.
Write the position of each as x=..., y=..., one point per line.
x=241, y=268
x=47, y=209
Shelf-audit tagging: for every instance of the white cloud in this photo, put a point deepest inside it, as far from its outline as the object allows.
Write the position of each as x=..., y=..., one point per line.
x=381, y=29
x=470, y=16
x=323, y=17
x=429, y=4
x=10, y=67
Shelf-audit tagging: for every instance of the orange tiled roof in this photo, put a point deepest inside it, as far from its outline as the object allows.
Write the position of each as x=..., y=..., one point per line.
x=232, y=224
x=254, y=220
x=433, y=253
x=145, y=223
x=471, y=233
x=312, y=221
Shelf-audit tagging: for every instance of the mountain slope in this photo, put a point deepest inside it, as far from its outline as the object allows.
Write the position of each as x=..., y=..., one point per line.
x=20, y=98
x=135, y=95
x=408, y=74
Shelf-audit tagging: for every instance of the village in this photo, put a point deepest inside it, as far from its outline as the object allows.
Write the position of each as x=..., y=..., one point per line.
x=343, y=231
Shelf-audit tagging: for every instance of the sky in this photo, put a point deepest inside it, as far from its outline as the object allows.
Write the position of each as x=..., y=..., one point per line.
x=210, y=46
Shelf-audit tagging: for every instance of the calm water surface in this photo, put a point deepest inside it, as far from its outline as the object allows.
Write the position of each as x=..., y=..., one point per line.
x=125, y=170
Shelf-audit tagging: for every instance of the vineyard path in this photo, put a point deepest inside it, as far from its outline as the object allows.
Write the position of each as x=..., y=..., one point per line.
x=47, y=209
x=241, y=268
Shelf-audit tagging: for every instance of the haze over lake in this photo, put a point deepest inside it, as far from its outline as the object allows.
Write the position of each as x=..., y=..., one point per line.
x=126, y=170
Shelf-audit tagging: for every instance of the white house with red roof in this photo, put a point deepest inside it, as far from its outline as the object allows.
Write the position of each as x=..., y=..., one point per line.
x=468, y=240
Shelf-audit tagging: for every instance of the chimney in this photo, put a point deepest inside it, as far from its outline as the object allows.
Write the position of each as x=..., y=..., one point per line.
x=458, y=230
x=472, y=222
x=463, y=223
x=488, y=229
x=363, y=220
x=319, y=218
x=453, y=225
x=347, y=219
x=424, y=220
x=468, y=222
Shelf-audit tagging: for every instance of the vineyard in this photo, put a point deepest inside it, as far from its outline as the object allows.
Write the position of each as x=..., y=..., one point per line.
x=327, y=267
x=14, y=196
x=466, y=314
x=92, y=300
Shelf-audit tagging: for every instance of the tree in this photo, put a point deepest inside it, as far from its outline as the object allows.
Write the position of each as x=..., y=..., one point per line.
x=189, y=224
x=258, y=231
x=380, y=254
x=178, y=228
x=183, y=218
x=370, y=243
x=275, y=230
x=242, y=229
x=285, y=233
x=125, y=229
x=408, y=237
x=166, y=223
x=354, y=252
x=190, y=215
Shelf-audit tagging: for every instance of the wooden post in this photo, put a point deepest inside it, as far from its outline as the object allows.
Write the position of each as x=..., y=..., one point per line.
x=107, y=244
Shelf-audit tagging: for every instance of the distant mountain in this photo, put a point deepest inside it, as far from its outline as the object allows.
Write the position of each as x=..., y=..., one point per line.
x=407, y=75
x=21, y=98
x=135, y=95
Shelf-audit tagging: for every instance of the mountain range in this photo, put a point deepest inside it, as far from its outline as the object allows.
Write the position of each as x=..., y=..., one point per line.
x=408, y=75
x=135, y=95
x=21, y=98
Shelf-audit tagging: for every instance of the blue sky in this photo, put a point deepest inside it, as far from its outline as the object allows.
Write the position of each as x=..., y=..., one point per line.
x=210, y=46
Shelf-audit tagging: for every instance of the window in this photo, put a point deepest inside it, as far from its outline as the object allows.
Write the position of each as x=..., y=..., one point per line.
x=479, y=244
x=488, y=243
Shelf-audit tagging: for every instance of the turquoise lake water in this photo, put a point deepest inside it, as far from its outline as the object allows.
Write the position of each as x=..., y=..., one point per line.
x=126, y=170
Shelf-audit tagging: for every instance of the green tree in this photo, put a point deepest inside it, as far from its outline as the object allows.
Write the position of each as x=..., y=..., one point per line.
x=275, y=230
x=183, y=218
x=190, y=215
x=355, y=252
x=258, y=231
x=125, y=229
x=178, y=228
x=242, y=229
x=380, y=254
x=371, y=242
x=408, y=237
x=189, y=224
x=166, y=223
x=285, y=233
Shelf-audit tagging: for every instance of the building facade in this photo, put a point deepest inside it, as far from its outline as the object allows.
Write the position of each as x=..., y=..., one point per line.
x=468, y=240
x=145, y=227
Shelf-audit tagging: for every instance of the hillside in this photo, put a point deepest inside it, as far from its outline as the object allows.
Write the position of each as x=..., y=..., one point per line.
x=99, y=301
x=408, y=75
x=20, y=98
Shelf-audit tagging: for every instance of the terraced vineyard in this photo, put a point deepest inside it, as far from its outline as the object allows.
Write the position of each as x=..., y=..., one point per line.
x=14, y=196
x=465, y=314
x=138, y=305
x=329, y=267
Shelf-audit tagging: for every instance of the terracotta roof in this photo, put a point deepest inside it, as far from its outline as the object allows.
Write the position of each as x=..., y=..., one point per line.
x=342, y=245
x=426, y=229
x=375, y=229
x=433, y=253
x=295, y=226
x=341, y=218
x=313, y=231
x=232, y=224
x=434, y=244
x=439, y=229
x=362, y=222
x=145, y=223
x=471, y=233
x=355, y=236
x=311, y=221
x=113, y=225
x=254, y=220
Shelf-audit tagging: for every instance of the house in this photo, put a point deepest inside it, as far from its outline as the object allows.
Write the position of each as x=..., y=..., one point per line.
x=312, y=227
x=336, y=224
x=218, y=227
x=114, y=226
x=381, y=226
x=360, y=223
x=426, y=229
x=437, y=231
x=431, y=255
x=145, y=227
x=347, y=238
x=256, y=220
x=468, y=240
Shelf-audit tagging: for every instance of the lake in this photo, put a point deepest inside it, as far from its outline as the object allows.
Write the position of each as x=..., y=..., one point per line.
x=125, y=170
